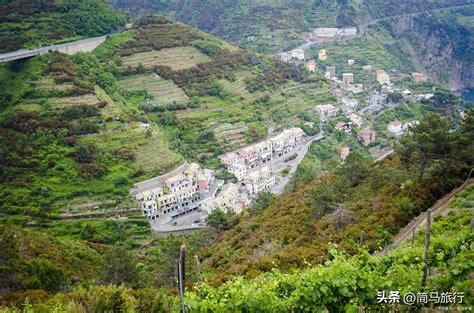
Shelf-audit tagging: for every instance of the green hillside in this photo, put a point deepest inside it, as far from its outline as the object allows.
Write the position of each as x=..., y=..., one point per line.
x=277, y=24
x=341, y=283
x=31, y=24
x=86, y=127
x=76, y=132
x=419, y=33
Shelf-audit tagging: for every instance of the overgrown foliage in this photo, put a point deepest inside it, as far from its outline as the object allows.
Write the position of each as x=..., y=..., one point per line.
x=30, y=24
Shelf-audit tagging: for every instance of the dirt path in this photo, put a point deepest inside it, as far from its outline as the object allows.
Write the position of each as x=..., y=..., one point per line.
x=441, y=207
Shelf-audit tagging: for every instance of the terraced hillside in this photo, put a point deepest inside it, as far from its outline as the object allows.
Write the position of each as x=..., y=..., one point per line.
x=376, y=48
x=86, y=127
x=413, y=26
x=265, y=25
x=176, y=58
x=160, y=89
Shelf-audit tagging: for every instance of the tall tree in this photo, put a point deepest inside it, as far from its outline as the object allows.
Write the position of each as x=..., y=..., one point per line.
x=354, y=169
x=120, y=266
x=10, y=260
x=427, y=143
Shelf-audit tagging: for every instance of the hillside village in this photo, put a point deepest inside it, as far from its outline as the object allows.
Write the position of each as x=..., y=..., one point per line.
x=354, y=98
x=191, y=188
x=256, y=167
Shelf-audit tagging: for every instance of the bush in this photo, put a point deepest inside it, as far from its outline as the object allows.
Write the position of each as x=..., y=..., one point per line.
x=92, y=170
x=42, y=274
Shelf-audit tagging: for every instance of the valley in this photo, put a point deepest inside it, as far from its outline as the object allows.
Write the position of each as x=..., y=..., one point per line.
x=293, y=168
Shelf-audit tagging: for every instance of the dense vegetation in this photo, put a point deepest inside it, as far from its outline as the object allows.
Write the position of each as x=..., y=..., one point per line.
x=77, y=131
x=341, y=283
x=442, y=42
x=30, y=24
x=337, y=207
x=426, y=39
x=273, y=25
x=71, y=126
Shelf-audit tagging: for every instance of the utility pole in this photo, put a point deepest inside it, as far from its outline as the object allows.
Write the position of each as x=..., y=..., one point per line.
x=361, y=240
x=181, y=274
x=427, y=249
x=198, y=266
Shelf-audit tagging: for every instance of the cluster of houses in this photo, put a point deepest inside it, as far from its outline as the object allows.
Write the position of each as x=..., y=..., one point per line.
x=244, y=162
x=365, y=136
x=347, y=78
x=295, y=54
x=228, y=198
x=189, y=189
x=175, y=193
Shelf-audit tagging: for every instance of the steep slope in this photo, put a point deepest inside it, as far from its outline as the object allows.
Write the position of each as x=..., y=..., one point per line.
x=354, y=205
x=442, y=43
x=28, y=24
x=342, y=283
x=86, y=127
x=280, y=22
x=439, y=41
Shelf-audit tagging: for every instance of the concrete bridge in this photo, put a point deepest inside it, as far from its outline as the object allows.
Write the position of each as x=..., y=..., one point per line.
x=85, y=45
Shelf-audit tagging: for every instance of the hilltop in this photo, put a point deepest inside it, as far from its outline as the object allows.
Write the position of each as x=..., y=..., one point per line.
x=31, y=24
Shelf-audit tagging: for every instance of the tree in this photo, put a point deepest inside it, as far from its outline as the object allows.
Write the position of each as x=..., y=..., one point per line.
x=219, y=219
x=354, y=169
x=10, y=261
x=261, y=202
x=426, y=143
x=42, y=274
x=168, y=118
x=163, y=261
x=395, y=97
x=84, y=153
x=120, y=266
x=324, y=197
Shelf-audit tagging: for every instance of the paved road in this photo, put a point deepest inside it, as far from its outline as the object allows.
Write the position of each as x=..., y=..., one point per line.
x=301, y=152
x=169, y=224
x=22, y=54
x=62, y=47
x=185, y=222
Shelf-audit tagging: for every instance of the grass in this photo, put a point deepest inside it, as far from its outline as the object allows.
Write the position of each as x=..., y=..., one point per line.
x=162, y=90
x=231, y=135
x=178, y=58
x=155, y=156
x=465, y=199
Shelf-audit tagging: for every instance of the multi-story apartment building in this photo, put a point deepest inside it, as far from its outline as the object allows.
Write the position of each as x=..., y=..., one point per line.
x=325, y=111
x=311, y=65
x=176, y=194
x=260, y=180
x=240, y=162
x=297, y=54
x=347, y=78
